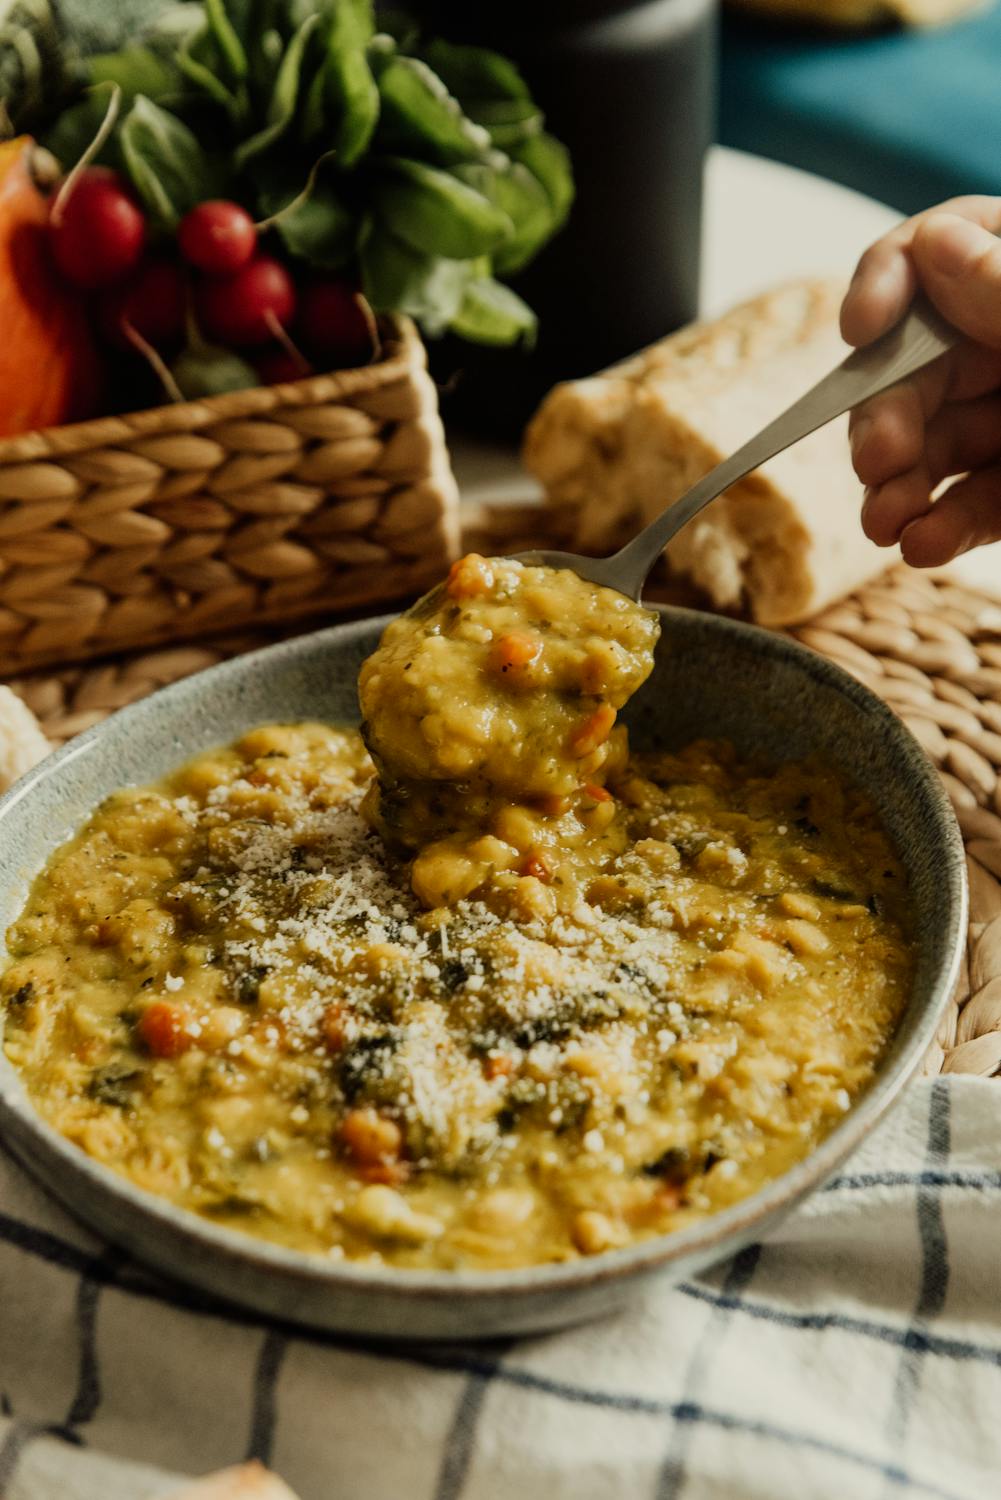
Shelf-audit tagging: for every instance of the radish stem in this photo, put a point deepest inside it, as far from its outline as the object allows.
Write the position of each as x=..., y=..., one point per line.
x=104, y=130
x=281, y=335
x=146, y=349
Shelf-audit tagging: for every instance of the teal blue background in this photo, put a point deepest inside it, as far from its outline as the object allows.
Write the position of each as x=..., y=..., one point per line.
x=907, y=117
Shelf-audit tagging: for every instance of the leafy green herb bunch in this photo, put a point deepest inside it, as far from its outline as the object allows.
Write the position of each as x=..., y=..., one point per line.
x=420, y=171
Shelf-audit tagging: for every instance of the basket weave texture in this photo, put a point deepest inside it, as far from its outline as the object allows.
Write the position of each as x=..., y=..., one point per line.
x=252, y=507
x=930, y=647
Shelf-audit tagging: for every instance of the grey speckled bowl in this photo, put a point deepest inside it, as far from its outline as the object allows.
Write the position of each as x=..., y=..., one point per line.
x=712, y=677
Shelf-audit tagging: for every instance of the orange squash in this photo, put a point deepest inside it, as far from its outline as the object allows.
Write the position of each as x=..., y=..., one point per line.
x=49, y=369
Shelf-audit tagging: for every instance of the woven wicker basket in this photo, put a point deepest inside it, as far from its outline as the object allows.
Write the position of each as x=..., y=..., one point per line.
x=253, y=507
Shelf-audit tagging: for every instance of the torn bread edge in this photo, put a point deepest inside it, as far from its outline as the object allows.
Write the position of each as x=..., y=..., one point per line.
x=613, y=450
x=22, y=743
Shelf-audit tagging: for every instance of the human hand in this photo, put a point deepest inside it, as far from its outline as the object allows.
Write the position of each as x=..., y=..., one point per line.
x=945, y=421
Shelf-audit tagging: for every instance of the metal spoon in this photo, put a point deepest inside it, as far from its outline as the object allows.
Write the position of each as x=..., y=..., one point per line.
x=920, y=337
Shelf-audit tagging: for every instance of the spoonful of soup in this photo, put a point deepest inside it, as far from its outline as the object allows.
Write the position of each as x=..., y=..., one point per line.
x=490, y=707
x=490, y=712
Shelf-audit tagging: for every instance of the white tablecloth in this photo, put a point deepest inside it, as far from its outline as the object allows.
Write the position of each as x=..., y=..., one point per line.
x=856, y=1354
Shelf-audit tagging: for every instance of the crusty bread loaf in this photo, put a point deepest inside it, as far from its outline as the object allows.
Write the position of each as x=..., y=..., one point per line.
x=613, y=450
x=22, y=743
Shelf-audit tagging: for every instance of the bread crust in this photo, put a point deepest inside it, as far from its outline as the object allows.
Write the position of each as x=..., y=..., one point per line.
x=613, y=450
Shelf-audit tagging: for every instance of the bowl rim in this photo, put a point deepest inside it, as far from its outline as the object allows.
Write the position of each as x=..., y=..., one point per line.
x=725, y=1230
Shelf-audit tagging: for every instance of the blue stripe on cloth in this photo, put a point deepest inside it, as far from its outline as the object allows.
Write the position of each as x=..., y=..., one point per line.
x=87, y=1398
x=884, y=1333
x=461, y=1439
x=958, y=1178
x=671, y=1479
x=18, y=1436
x=266, y=1372
x=934, y=1270
x=87, y=1395
x=49, y=1247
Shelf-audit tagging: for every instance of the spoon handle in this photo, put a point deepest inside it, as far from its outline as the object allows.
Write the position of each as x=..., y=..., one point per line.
x=920, y=337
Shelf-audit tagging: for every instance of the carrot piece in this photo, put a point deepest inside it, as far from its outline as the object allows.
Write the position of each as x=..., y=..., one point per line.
x=597, y=793
x=593, y=732
x=371, y=1138
x=469, y=576
x=537, y=866
x=332, y=1028
x=668, y=1197
x=514, y=652
x=498, y=1065
x=392, y=1173
x=552, y=806
x=167, y=1030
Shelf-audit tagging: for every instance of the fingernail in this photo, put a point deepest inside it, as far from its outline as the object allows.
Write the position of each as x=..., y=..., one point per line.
x=949, y=244
x=860, y=430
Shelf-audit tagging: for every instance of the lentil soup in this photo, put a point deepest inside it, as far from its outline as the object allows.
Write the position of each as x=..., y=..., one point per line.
x=227, y=988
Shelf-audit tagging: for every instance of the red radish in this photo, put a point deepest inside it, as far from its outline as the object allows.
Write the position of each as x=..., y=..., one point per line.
x=243, y=309
x=100, y=233
x=152, y=302
x=279, y=366
x=335, y=323
x=218, y=237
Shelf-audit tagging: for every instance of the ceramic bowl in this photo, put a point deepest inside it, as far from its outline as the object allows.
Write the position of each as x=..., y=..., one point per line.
x=712, y=677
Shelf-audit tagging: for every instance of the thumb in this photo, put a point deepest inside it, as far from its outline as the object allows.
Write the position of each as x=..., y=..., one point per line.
x=959, y=265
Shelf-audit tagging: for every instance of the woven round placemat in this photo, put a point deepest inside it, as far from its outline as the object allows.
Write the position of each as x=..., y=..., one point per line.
x=930, y=647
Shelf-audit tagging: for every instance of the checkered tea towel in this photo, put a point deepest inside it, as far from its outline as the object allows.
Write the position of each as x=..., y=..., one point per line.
x=855, y=1355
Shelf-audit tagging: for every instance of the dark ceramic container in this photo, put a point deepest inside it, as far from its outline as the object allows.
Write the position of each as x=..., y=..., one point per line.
x=628, y=86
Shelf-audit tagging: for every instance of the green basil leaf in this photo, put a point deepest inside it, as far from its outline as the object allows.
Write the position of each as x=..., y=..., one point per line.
x=168, y=168
x=198, y=59
x=490, y=89
x=244, y=17
x=314, y=110
x=513, y=189
x=396, y=278
x=419, y=116
x=136, y=70
x=509, y=121
x=211, y=371
x=77, y=126
x=226, y=38
x=352, y=23
x=322, y=230
x=549, y=161
x=436, y=213
x=284, y=96
x=475, y=72
x=492, y=314
x=344, y=103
